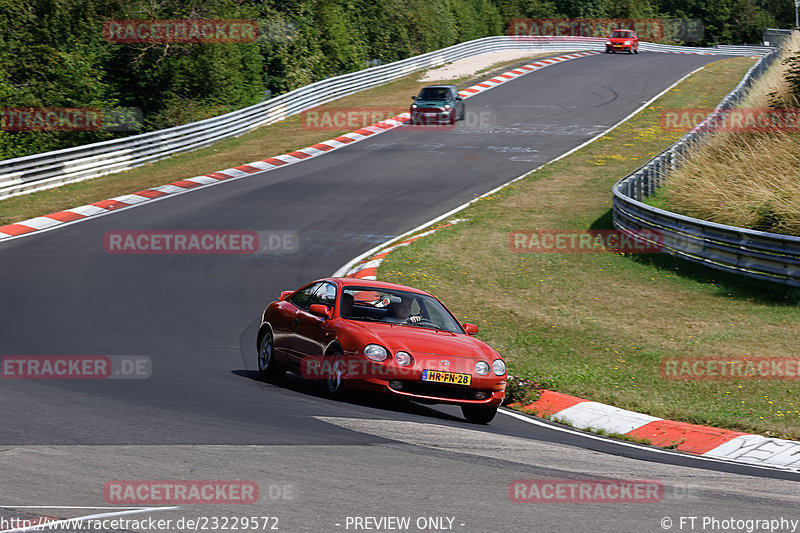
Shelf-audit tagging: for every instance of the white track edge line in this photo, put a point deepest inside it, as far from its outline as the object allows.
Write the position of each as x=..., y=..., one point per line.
x=534, y=421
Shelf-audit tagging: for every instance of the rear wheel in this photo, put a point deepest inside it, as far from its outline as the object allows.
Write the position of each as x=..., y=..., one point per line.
x=478, y=414
x=267, y=366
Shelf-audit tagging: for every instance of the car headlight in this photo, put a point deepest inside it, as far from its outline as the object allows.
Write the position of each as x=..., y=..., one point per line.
x=447, y=107
x=499, y=367
x=482, y=368
x=609, y=43
x=414, y=106
x=403, y=358
x=375, y=352
x=627, y=43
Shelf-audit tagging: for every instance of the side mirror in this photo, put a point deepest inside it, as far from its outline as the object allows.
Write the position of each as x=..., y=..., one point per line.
x=458, y=97
x=413, y=97
x=471, y=329
x=284, y=295
x=320, y=310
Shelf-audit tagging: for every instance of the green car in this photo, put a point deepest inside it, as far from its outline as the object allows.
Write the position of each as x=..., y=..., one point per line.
x=437, y=104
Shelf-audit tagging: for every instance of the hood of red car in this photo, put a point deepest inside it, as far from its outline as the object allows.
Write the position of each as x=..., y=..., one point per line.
x=420, y=341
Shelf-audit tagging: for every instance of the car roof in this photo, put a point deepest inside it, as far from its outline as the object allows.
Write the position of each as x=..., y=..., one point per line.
x=628, y=31
x=439, y=87
x=371, y=283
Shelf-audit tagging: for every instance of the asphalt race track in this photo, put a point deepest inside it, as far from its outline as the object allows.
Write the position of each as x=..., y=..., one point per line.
x=203, y=414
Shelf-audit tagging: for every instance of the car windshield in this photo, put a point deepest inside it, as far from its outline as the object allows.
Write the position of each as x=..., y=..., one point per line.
x=396, y=307
x=434, y=93
x=621, y=34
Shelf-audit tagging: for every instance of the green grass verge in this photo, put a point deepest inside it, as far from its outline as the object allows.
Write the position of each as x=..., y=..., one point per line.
x=597, y=325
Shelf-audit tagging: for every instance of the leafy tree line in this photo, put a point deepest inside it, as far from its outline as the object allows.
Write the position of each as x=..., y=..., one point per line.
x=53, y=53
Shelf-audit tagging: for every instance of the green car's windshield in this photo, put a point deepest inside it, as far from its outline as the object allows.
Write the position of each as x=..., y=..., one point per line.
x=434, y=93
x=396, y=307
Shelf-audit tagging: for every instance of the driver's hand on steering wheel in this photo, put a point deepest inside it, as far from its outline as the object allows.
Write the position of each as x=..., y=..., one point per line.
x=414, y=319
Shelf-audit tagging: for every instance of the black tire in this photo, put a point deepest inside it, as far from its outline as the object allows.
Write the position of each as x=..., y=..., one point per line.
x=478, y=414
x=334, y=382
x=636, y=51
x=268, y=368
x=608, y=51
x=630, y=51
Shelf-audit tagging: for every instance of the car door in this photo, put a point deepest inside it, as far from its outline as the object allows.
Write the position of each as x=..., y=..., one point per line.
x=284, y=322
x=313, y=332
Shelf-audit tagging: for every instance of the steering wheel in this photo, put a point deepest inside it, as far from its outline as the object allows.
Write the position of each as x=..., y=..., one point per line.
x=423, y=322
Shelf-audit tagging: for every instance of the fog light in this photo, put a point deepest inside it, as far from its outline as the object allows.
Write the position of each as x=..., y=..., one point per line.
x=481, y=395
x=396, y=384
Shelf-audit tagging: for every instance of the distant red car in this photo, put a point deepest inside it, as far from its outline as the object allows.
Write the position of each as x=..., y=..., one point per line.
x=623, y=41
x=383, y=337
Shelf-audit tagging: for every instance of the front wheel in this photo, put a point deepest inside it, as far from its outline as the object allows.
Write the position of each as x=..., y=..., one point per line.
x=478, y=414
x=267, y=366
x=636, y=51
x=335, y=378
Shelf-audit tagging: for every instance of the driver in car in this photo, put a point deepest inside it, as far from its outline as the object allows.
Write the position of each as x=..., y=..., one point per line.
x=398, y=312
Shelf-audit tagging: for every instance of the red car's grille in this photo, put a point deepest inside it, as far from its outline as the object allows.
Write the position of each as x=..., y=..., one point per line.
x=439, y=391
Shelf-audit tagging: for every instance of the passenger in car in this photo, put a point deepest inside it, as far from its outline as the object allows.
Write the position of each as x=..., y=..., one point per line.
x=346, y=305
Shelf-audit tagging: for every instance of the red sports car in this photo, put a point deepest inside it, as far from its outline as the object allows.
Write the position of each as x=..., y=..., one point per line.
x=622, y=40
x=383, y=337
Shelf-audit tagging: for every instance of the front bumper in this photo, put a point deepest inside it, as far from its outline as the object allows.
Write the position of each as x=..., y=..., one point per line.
x=436, y=392
x=443, y=117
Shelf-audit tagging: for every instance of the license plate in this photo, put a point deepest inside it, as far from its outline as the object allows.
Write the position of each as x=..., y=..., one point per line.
x=446, y=377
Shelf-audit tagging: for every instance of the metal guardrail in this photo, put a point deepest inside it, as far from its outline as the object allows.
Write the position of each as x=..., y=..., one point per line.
x=51, y=169
x=756, y=254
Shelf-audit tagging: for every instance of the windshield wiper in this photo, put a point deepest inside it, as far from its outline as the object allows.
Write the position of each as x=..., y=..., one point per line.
x=418, y=325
